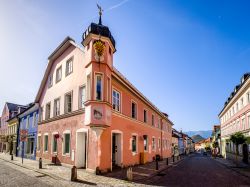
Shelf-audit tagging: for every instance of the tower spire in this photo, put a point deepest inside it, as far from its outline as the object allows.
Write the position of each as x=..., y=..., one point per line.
x=100, y=14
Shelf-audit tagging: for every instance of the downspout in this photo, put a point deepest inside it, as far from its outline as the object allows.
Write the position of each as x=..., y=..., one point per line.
x=161, y=139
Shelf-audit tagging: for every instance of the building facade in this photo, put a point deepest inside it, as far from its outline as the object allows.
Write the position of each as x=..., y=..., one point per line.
x=91, y=115
x=235, y=116
x=10, y=110
x=27, y=132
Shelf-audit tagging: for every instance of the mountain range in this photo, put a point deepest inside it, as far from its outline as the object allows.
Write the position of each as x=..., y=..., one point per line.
x=204, y=134
x=197, y=138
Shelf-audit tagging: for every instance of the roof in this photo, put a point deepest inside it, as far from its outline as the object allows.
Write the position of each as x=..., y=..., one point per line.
x=119, y=74
x=66, y=43
x=14, y=107
x=99, y=29
x=244, y=78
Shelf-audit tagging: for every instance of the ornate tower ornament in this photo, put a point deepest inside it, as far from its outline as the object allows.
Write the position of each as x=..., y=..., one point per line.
x=99, y=47
x=100, y=14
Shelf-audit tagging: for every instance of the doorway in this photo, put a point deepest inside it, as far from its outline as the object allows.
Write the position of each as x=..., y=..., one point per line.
x=116, y=149
x=81, y=147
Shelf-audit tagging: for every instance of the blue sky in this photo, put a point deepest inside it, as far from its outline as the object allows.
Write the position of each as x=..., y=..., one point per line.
x=190, y=54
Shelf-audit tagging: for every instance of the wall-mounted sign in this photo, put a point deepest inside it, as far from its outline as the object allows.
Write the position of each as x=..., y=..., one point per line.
x=98, y=113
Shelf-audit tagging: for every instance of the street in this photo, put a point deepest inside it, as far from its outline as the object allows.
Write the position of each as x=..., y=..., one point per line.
x=199, y=170
x=194, y=170
x=13, y=175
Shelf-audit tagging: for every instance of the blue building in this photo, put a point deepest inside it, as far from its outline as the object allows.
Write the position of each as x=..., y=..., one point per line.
x=28, y=121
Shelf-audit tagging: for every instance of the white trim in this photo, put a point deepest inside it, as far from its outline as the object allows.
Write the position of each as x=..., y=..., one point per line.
x=133, y=101
x=63, y=142
x=82, y=130
x=117, y=90
x=137, y=150
x=96, y=73
x=45, y=134
x=52, y=143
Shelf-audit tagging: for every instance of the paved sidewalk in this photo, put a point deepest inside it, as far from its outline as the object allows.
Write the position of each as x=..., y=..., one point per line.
x=143, y=172
x=241, y=168
x=64, y=173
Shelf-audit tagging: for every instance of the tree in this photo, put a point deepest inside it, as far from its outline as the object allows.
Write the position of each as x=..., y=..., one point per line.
x=238, y=138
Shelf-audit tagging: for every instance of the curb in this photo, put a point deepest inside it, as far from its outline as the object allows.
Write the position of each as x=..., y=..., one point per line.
x=231, y=168
x=36, y=170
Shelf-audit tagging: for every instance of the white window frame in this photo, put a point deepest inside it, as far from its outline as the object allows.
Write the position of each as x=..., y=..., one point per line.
x=57, y=70
x=102, y=84
x=50, y=80
x=136, y=111
x=70, y=60
x=45, y=134
x=52, y=143
x=120, y=96
x=55, y=106
x=153, y=144
x=38, y=143
x=65, y=103
x=136, y=143
x=145, y=121
x=63, y=147
x=81, y=90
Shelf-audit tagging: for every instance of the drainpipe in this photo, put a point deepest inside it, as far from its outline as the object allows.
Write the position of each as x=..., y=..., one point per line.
x=161, y=138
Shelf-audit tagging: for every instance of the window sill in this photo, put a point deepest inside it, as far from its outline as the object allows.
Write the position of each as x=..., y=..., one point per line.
x=66, y=155
x=134, y=153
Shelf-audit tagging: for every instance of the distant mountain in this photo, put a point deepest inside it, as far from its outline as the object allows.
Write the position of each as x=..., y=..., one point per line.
x=204, y=134
x=197, y=138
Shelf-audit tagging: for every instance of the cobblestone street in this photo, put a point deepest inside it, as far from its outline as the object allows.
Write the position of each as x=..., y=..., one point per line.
x=199, y=170
x=13, y=175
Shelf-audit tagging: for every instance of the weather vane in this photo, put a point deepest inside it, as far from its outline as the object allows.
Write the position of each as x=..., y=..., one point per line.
x=100, y=14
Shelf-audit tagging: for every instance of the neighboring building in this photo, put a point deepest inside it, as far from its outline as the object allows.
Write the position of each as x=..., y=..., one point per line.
x=190, y=145
x=28, y=121
x=91, y=115
x=216, y=137
x=10, y=110
x=235, y=116
x=203, y=144
x=181, y=144
x=175, y=142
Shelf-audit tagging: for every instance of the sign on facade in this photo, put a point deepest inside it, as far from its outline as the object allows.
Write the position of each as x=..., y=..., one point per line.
x=23, y=135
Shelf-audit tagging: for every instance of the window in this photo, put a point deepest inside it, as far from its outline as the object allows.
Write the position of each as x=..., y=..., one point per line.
x=27, y=122
x=153, y=120
x=47, y=114
x=30, y=146
x=134, y=142
x=242, y=102
x=46, y=137
x=68, y=102
x=159, y=143
x=145, y=116
x=153, y=143
x=89, y=87
x=82, y=96
x=145, y=142
x=159, y=122
x=237, y=107
x=248, y=97
x=248, y=120
x=133, y=110
x=69, y=67
x=50, y=81
x=243, y=124
x=66, y=142
x=34, y=119
x=98, y=87
x=108, y=89
x=38, y=143
x=54, y=144
x=59, y=74
x=116, y=100
x=57, y=107
x=41, y=114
